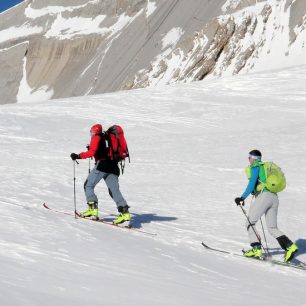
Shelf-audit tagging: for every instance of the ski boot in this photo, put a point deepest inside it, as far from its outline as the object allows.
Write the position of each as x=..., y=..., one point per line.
x=92, y=212
x=124, y=216
x=290, y=251
x=289, y=247
x=255, y=252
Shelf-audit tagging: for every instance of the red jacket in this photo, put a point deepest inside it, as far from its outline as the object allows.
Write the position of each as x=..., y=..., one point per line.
x=100, y=152
x=93, y=148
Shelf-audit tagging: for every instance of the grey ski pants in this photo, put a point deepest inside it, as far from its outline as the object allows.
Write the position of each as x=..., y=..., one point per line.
x=266, y=204
x=112, y=182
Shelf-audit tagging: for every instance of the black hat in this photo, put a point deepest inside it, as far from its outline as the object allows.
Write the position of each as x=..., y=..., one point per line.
x=256, y=153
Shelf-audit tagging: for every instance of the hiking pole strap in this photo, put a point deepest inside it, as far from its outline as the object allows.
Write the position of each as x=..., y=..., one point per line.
x=122, y=165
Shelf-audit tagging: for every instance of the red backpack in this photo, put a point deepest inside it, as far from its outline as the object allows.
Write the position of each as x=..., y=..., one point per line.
x=118, y=149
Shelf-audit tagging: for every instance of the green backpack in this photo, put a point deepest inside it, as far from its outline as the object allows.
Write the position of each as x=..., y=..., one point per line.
x=271, y=177
x=275, y=177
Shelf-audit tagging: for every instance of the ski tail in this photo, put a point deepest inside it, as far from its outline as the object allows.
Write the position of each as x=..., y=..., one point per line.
x=300, y=265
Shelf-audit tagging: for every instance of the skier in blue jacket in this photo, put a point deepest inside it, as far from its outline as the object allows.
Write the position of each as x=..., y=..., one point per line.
x=266, y=203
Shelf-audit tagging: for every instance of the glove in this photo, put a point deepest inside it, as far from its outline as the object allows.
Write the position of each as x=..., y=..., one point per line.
x=74, y=156
x=239, y=201
x=87, y=147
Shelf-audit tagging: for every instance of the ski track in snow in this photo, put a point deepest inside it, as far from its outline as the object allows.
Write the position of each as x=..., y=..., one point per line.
x=189, y=146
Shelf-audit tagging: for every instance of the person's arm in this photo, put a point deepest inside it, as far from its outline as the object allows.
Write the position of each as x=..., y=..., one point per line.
x=252, y=182
x=93, y=147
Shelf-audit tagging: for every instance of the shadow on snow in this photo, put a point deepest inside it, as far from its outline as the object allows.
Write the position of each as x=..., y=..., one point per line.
x=301, y=243
x=139, y=219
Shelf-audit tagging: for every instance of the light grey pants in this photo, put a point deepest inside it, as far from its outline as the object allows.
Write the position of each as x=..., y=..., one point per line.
x=266, y=204
x=112, y=182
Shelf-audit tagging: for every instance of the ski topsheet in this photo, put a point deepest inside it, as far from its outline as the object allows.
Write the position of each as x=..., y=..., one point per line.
x=77, y=216
x=59, y=211
x=300, y=266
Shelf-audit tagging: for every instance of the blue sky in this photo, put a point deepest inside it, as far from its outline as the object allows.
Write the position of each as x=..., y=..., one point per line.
x=5, y=4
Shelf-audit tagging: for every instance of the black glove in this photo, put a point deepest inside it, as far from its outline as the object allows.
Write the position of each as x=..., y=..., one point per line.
x=74, y=156
x=87, y=147
x=239, y=201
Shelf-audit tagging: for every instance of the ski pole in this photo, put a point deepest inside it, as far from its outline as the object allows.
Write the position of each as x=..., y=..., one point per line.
x=258, y=237
x=265, y=238
x=89, y=165
x=74, y=193
x=88, y=147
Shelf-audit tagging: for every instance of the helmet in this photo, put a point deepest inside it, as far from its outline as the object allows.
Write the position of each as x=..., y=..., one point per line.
x=96, y=129
x=255, y=154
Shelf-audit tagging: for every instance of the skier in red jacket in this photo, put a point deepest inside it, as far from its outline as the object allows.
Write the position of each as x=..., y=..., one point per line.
x=105, y=168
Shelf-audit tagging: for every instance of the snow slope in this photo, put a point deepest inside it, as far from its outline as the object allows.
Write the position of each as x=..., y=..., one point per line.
x=189, y=146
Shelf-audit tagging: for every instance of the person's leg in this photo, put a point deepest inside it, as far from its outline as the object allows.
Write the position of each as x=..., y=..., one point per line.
x=271, y=216
x=94, y=177
x=257, y=209
x=271, y=221
x=92, y=180
x=112, y=183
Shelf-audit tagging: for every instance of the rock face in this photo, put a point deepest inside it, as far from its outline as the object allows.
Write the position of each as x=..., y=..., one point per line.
x=53, y=49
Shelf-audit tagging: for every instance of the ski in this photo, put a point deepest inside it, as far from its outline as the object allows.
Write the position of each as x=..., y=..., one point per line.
x=59, y=211
x=78, y=216
x=300, y=266
x=127, y=227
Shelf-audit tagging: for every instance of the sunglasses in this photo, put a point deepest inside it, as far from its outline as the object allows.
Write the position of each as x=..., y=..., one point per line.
x=253, y=157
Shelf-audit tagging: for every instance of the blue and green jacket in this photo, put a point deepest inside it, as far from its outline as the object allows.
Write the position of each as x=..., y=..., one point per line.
x=257, y=177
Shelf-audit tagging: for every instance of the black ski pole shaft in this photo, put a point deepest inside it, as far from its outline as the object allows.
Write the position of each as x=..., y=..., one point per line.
x=258, y=237
x=88, y=147
x=74, y=193
x=268, y=252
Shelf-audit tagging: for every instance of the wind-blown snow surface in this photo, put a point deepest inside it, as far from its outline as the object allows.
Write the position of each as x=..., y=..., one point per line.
x=189, y=146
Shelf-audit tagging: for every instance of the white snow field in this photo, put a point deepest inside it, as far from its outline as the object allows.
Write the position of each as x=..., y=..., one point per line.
x=189, y=146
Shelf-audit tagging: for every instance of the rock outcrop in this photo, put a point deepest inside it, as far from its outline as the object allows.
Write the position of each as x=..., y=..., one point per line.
x=75, y=47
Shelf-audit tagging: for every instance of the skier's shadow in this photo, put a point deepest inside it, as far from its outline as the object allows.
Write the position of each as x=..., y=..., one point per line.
x=139, y=219
x=275, y=251
x=301, y=243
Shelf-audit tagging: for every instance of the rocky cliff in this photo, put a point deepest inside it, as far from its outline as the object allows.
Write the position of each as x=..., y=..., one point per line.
x=56, y=48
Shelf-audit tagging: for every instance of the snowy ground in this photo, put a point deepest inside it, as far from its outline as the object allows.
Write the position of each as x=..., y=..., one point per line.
x=189, y=146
